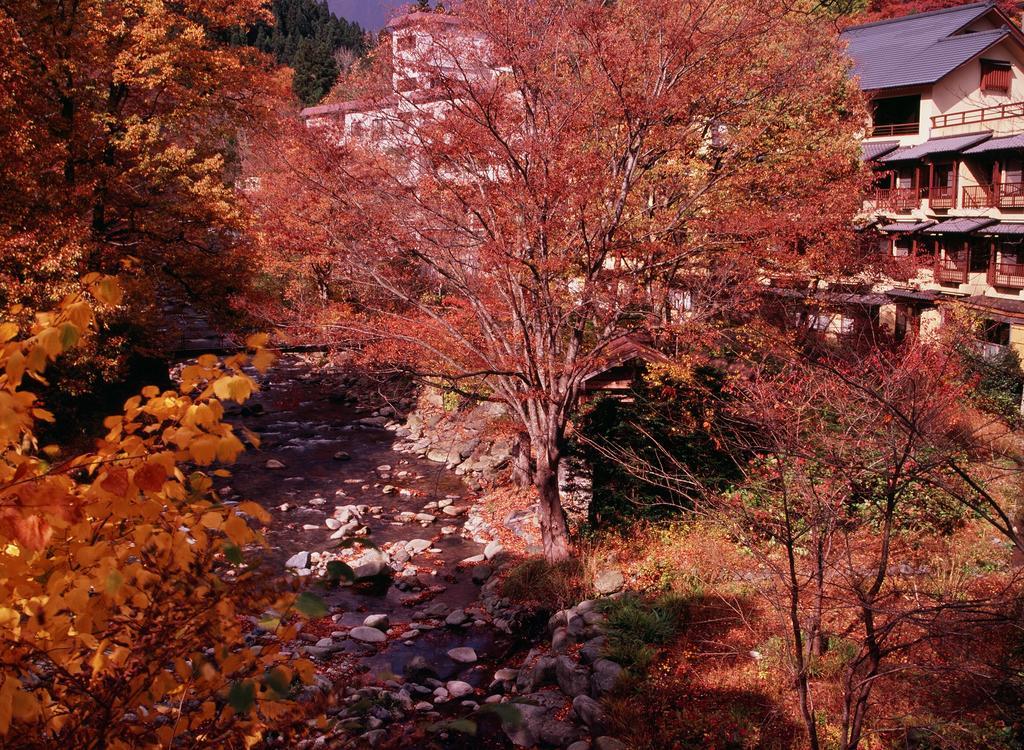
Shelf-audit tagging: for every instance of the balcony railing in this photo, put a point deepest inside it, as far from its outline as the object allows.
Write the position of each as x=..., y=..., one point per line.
x=941, y=197
x=902, y=128
x=1002, y=195
x=898, y=199
x=980, y=115
x=980, y=196
x=989, y=350
x=1009, y=275
x=1011, y=195
x=951, y=270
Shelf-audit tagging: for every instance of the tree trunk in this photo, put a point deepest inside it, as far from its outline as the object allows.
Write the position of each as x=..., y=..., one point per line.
x=553, y=528
x=522, y=465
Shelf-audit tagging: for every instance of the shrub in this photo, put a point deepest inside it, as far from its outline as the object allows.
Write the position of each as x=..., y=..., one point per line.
x=119, y=624
x=664, y=415
x=552, y=585
x=635, y=627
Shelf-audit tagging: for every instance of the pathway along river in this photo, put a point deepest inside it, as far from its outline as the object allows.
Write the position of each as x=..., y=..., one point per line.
x=308, y=421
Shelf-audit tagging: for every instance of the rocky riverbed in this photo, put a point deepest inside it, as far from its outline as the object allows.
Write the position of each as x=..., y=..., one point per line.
x=423, y=638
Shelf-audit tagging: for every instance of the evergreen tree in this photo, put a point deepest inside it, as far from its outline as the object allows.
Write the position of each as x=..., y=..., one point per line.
x=305, y=36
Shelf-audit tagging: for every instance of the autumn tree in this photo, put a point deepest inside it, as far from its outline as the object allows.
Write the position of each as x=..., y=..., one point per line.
x=118, y=152
x=124, y=586
x=855, y=468
x=577, y=172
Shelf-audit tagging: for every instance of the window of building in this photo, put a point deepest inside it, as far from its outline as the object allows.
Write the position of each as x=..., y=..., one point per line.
x=407, y=42
x=942, y=175
x=896, y=115
x=995, y=76
x=902, y=247
x=1011, y=250
x=995, y=332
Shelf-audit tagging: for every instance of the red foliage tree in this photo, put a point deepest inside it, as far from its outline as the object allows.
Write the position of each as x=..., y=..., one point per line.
x=580, y=171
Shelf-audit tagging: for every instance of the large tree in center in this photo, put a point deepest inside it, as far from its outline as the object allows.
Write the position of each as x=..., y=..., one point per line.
x=577, y=171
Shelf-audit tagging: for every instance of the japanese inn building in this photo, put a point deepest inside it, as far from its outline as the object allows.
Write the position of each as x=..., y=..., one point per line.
x=945, y=143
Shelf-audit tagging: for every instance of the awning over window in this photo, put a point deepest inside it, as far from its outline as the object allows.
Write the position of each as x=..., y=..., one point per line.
x=871, y=151
x=997, y=144
x=959, y=226
x=905, y=227
x=949, y=145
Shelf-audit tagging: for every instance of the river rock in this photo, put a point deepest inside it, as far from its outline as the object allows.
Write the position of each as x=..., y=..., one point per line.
x=532, y=677
x=590, y=713
x=273, y=463
x=572, y=679
x=462, y=655
x=458, y=688
x=370, y=563
x=561, y=640
x=298, y=560
x=481, y=573
x=418, y=668
x=609, y=581
x=493, y=549
x=606, y=674
x=380, y=622
x=608, y=743
x=456, y=618
x=367, y=634
x=438, y=455
x=416, y=546
x=538, y=722
x=593, y=649
x=342, y=456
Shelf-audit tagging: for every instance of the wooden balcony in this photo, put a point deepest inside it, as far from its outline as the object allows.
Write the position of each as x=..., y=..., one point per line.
x=1008, y=275
x=951, y=270
x=898, y=199
x=1011, y=195
x=1003, y=195
x=941, y=197
x=979, y=115
x=903, y=128
x=980, y=196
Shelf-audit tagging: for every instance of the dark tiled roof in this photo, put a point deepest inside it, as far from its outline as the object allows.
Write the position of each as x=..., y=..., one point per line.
x=871, y=151
x=1003, y=227
x=948, y=145
x=997, y=144
x=913, y=294
x=1011, y=306
x=918, y=49
x=959, y=226
x=424, y=17
x=905, y=227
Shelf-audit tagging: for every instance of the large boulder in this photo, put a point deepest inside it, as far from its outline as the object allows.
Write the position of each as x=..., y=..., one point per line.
x=572, y=679
x=541, y=672
x=609, y=581
x=370, y=563
x=367, y=634
x=539, y=723
x=462, y=655
x=606, y=675
x=590, y=713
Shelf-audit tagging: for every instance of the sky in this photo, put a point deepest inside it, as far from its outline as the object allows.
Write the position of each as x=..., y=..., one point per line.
x=370, y=14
